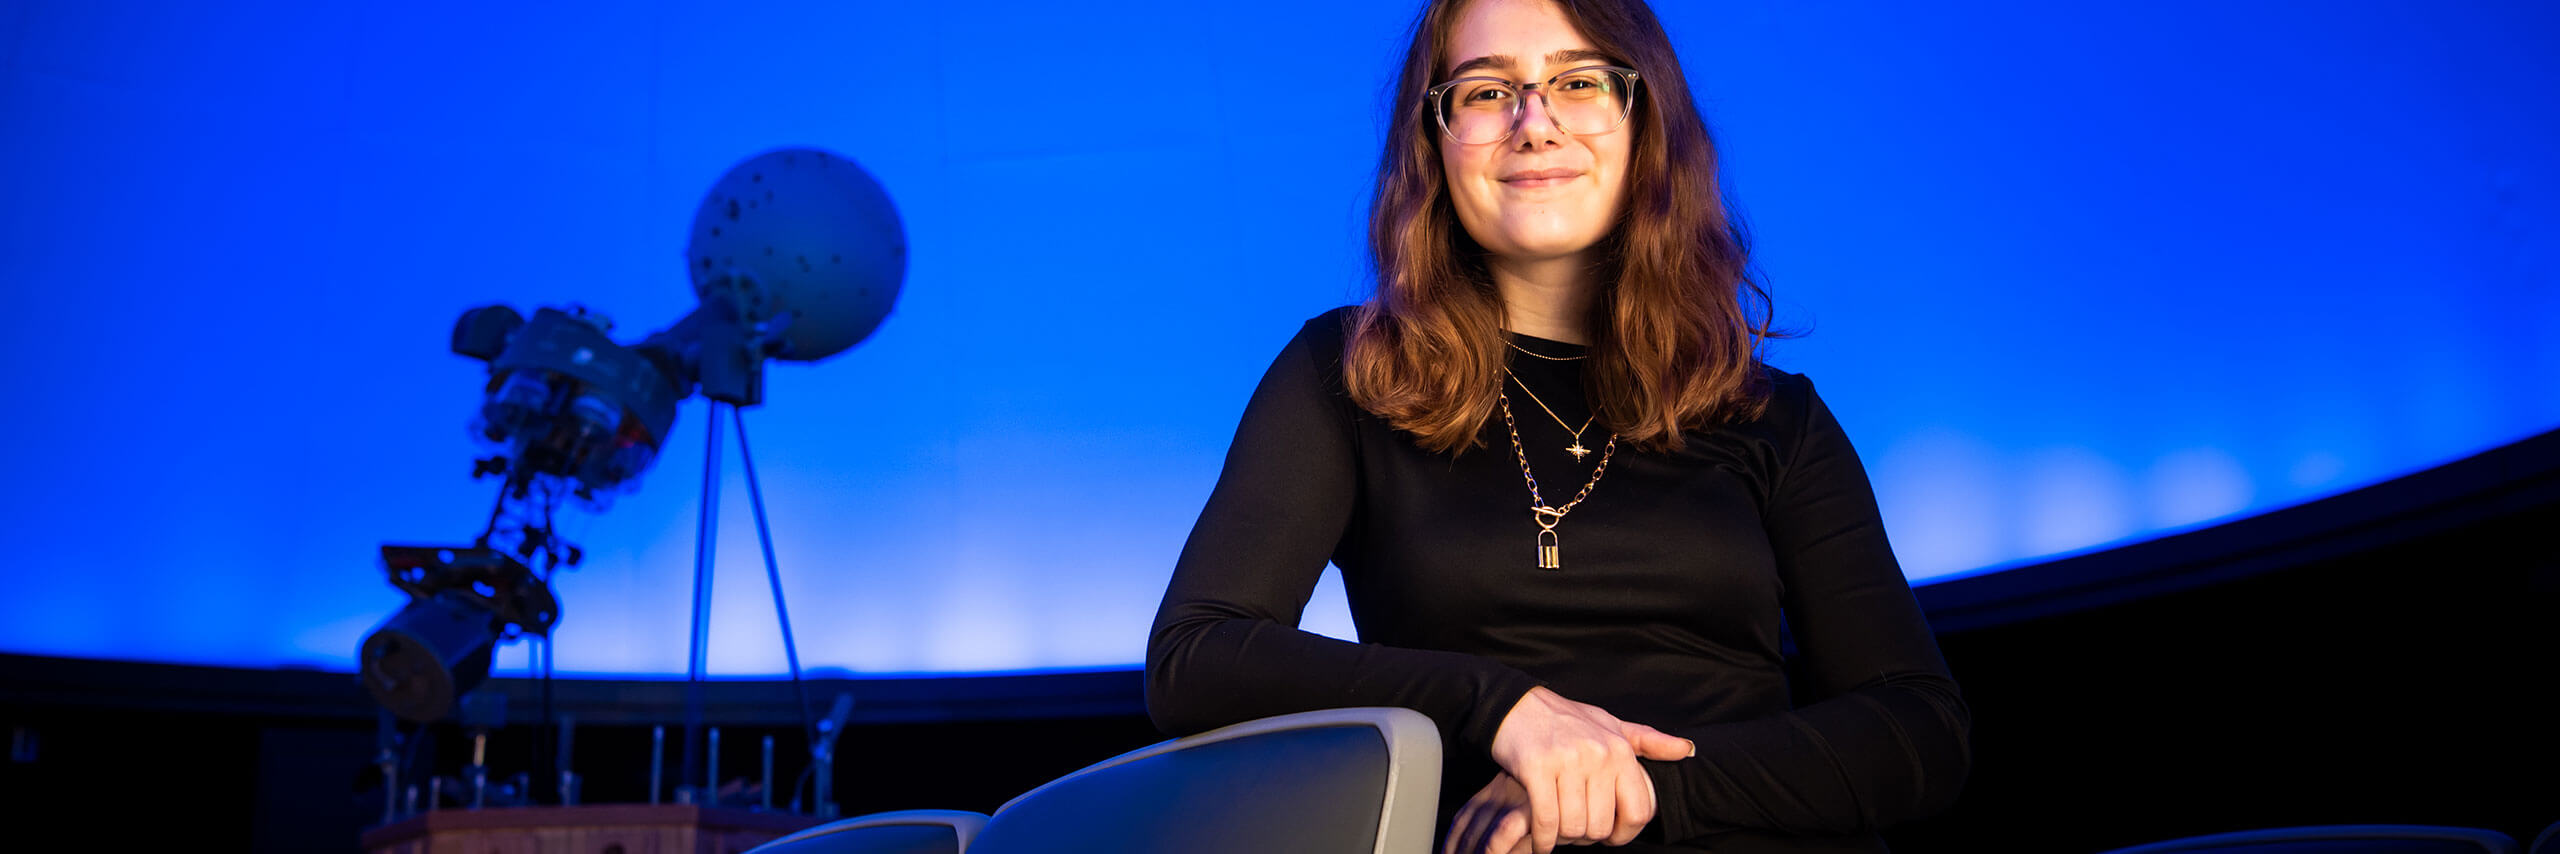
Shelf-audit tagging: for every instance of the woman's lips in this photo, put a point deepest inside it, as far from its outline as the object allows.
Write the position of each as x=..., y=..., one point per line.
x=1539, y=178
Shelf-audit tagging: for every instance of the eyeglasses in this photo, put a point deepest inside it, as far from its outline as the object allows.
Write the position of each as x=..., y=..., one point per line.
x=1583, y=101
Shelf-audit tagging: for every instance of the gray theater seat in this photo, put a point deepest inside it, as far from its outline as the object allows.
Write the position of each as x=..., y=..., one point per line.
x=903, y=832
x=1338, y=780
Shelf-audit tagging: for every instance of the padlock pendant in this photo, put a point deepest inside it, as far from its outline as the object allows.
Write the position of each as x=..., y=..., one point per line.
x=1549, y=556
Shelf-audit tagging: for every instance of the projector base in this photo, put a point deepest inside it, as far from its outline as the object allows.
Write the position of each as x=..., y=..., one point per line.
x=630, y=827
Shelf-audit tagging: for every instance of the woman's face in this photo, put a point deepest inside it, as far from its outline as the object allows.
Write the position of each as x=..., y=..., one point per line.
x=1542, y=193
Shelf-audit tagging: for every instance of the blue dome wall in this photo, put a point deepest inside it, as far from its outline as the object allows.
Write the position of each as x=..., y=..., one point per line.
x=2079, y=275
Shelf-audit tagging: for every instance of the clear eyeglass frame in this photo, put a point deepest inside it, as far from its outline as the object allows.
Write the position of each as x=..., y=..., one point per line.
x=1436, y=97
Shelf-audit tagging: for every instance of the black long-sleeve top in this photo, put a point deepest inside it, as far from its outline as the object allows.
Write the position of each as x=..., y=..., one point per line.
x=1667, y=611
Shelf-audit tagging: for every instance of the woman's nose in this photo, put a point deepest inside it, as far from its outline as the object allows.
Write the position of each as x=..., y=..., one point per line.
x=1537, y=122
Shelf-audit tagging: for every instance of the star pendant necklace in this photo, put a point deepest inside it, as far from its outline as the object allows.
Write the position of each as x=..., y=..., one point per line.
x=1576, y=449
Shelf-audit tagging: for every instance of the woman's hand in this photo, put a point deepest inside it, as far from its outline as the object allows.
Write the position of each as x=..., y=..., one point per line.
x=1576, y=767
x=1496, y=821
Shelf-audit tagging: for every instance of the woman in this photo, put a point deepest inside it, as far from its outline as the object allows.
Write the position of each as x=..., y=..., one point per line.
x=1570, y=505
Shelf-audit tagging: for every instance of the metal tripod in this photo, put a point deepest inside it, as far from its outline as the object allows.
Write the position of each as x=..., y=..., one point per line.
x=705, y=537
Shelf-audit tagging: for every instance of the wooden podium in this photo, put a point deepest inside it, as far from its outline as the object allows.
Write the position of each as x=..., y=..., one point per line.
x=598, y=829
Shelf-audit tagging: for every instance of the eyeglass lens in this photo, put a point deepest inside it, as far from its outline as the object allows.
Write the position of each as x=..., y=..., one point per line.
x=1583, y=102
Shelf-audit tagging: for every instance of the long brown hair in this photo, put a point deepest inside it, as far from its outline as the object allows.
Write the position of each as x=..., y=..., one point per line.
x=1674, y=340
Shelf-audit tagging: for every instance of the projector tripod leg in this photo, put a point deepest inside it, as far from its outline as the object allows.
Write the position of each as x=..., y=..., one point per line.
x=695, y=763
x=697, y=664
x=773, y=574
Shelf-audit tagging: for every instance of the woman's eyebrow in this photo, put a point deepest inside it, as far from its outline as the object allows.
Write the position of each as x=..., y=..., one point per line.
x=1503, y=62
x=1578, y=54
x=1496, y=61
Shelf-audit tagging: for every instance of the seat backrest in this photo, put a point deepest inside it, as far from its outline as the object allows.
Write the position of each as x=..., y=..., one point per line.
x=2339, y=839
x=1336, y=780
x=903, y=832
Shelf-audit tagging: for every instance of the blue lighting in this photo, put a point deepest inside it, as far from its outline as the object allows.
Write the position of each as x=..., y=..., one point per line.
x=2078, y=277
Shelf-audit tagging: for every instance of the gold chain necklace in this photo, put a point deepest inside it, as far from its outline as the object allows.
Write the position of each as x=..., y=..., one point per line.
x=1550, y=555
x=1545, y=356
x=1577, y=450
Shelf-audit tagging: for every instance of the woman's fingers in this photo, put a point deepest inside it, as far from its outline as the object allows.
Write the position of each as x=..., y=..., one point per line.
x=1603, y=806
x=1461, y=830
x=1573, y=807
x=1635, y=806
x=1543, y=812
x=1657, y=745
x=1487, y=827
x=1510, y=836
